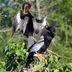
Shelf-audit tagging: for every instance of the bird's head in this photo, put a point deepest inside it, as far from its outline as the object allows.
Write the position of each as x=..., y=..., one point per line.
x=51, y=29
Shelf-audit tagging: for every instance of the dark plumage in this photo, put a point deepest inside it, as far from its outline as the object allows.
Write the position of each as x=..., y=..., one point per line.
x=40, y=46
x=27, y=25
x=23, y=23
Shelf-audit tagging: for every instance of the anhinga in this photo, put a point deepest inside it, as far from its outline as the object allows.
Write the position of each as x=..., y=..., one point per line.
x=24, y=26
x=40, y=46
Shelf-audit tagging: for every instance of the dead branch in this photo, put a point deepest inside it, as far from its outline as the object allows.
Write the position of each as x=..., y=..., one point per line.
x=33, y=69
x=53, y=53
x=5, y=30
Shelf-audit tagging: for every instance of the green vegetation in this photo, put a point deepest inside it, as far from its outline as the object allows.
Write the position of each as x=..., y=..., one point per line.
x=13, y=51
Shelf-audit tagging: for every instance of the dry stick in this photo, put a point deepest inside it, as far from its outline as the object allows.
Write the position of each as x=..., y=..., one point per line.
x=36, y=68
x=49, y=51
x=5, y=30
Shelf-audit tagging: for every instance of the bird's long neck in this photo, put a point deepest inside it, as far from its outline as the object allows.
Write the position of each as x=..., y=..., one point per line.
x=48, y=38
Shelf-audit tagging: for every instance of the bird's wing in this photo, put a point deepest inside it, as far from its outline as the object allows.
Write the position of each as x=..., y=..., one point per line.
x=18, y=17
x=19, y=21
x=37, y=46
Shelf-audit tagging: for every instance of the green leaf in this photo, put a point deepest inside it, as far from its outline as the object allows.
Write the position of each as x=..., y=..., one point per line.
x=17, y=52
x=56, y=70
x=69, y=65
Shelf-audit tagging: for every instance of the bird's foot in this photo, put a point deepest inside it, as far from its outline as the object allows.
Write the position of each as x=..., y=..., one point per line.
x=39, y=56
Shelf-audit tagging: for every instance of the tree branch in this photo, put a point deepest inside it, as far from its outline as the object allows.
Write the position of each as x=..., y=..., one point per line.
x=5, y=30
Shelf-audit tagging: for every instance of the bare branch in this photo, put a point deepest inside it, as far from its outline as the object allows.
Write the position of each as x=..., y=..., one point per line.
x=5, y=30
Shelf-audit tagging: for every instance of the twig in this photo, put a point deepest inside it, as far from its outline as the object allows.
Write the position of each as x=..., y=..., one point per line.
x=51, y=52
x=5, y=30
x=34, y=69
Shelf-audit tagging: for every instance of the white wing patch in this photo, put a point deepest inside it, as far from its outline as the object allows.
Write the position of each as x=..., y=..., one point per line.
x=44, y=22
x=36, y=47
x=18, y=17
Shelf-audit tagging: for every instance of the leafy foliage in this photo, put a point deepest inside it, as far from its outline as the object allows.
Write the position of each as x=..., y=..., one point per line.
x=2, y=66
x=16, y=56
x=13, y=53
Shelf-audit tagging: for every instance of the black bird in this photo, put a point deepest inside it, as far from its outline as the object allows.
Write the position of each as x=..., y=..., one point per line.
x=23, y=25
x=40, y=46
